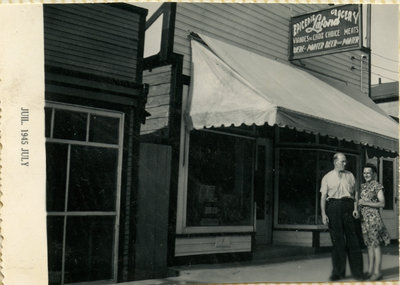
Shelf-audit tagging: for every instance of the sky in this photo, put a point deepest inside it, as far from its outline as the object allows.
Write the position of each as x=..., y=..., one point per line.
x=384, y=40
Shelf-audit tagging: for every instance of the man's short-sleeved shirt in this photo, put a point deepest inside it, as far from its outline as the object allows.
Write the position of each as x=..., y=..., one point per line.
x=338, y=185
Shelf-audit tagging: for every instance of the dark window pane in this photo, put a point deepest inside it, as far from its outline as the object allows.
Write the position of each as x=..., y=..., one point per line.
x=93, y=179
x=69, y=125
x=297, y=187
x=103, y=129
x=47, y=116
x=55, y=227
x=387, y=182
x=220, y=180
x=293, y=136
x=352, y=165
x=259, y=183
x=89, y=249
x=56, y=171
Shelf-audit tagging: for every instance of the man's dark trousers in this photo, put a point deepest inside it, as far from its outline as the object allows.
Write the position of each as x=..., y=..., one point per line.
x=342, y=228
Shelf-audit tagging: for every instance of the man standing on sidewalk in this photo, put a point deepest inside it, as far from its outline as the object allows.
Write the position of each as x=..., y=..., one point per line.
x=339, y=201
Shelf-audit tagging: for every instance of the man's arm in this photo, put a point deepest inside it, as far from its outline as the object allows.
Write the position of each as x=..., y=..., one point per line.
x=324, y=191
x=325, y=219
x=356, y=213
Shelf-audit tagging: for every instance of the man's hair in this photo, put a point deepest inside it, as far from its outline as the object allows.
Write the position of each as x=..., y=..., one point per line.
x=336, y=156
x=372, y=166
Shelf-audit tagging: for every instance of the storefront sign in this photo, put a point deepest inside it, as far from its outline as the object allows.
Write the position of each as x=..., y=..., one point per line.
x=327, y=31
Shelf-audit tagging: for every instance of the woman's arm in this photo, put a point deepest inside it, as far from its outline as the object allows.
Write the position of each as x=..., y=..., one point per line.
x=379, y=204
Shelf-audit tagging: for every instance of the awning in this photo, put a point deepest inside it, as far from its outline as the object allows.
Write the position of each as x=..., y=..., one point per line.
x=232, y=86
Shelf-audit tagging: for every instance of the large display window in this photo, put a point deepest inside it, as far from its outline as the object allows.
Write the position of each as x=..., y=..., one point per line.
x=220, y=176
x=300, y=172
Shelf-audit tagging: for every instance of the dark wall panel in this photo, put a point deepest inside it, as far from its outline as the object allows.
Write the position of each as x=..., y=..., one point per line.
x=152, y=211
x=95, y=38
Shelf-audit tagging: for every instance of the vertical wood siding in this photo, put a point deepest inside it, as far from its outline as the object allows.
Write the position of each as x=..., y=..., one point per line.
x=158, y=99
x=95, y=38
x=262, y=29
x=152, y=211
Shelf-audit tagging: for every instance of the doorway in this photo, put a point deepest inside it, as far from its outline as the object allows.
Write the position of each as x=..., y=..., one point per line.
x=389, y=179
x=263, y=189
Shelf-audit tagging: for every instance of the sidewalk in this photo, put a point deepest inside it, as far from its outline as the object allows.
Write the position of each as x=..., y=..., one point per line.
x=311, y=268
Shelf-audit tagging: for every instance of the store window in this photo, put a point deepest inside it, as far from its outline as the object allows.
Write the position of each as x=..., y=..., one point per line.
x=300, y=175
x=388, y=182
x=220, y=175
x=83, y=162
x=297, y=185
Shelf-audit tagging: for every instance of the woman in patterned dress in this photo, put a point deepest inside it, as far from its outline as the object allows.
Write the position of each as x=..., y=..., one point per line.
x=374, y=231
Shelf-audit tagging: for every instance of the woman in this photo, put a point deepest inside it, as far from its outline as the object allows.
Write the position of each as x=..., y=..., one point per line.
x=374, y=231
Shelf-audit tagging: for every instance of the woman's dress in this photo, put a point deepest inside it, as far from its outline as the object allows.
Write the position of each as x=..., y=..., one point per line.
x=373, y=230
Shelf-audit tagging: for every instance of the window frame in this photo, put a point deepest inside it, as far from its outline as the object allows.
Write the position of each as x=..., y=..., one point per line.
x=318, y=149
x=394, y=181
x=183, y=188
x=181, y=227
x=116, y=213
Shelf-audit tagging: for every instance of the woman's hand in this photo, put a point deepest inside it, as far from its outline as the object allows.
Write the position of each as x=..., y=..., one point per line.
x=361, y=202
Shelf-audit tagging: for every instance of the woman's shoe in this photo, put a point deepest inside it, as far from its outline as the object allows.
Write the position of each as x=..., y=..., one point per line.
x=367, y=275
x=376, y=277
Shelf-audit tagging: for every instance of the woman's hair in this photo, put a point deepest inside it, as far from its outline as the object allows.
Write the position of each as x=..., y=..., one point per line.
x=372, y=166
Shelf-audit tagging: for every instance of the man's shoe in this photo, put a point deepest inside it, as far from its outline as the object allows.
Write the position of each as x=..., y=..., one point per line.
x=335, y=277
x=360, y=278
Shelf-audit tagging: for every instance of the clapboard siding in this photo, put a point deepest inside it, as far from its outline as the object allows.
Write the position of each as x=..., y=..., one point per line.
x=260, y=28
x=211, y=245
x=116, y=30
x=76, y=65
x=106, y=64
x=104, y=55
x=244, y=25
x=79, y=41
x=226, y=25
x=100, y=14
x=99, y=39
x=158, y=99
x=353, y=77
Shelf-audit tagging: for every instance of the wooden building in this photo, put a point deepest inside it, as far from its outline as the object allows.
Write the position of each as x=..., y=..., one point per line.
x=243, y=136
x=94, y=107
x=386, y=95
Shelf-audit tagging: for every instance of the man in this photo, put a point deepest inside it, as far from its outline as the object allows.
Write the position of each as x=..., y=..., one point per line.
x=339, y=201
